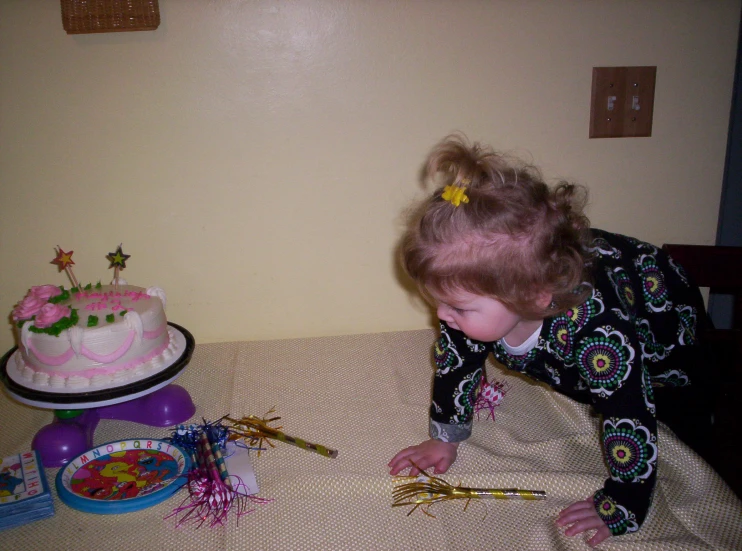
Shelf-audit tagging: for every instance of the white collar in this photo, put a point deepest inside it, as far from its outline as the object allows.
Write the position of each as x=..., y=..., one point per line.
x=524, y=348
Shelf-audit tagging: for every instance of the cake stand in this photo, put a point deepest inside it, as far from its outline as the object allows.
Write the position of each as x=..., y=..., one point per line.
x=151, y=400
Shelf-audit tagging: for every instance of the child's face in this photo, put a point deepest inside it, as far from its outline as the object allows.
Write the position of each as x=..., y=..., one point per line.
x=478, y=317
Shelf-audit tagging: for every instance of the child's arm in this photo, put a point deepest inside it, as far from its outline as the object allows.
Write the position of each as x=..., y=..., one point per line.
x=609, y=358
x=459, y=363
x=459, y=367
x=636, y=330
x=610, y=364
x=431, y=453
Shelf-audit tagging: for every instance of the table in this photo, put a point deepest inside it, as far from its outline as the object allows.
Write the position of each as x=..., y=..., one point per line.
x=367, y=396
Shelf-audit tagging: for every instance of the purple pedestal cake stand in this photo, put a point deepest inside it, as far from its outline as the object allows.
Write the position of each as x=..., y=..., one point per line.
x=152, y=401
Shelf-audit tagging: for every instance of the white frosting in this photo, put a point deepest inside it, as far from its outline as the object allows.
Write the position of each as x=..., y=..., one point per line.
x=25, y=334
x=38, y=378
x=75, y=335
x=77, y=382
x=133, y=321
x=100, y=380
x=159, y=293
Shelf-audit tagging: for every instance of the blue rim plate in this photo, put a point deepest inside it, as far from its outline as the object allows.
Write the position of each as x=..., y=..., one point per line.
x=123, y=476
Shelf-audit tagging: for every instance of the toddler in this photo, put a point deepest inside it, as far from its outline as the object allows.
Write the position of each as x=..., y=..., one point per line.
x=513, y=269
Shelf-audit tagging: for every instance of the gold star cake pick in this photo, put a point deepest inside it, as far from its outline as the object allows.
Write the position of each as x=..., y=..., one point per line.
x=118, y=262
x=64, y=261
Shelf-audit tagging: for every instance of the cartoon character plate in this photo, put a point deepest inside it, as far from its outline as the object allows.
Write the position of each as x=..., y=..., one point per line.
x=123, y=476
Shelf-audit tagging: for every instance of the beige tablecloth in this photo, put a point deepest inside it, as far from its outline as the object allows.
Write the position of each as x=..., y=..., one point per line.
x=367, y=396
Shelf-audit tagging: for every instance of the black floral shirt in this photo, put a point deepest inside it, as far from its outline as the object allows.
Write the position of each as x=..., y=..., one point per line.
x=634, y=336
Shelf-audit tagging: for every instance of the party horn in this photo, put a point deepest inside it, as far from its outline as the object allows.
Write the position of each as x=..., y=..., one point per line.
x=256, y=428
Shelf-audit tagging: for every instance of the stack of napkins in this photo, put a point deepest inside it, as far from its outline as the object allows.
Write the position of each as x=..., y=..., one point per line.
x=24, y=492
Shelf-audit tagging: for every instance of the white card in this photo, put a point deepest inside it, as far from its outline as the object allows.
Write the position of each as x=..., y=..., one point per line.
x=239, y=466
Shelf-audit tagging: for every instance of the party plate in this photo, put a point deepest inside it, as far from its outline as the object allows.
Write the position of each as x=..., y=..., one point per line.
x=123, y=476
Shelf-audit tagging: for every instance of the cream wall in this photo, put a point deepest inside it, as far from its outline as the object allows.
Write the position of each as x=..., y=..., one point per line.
x=254, y=156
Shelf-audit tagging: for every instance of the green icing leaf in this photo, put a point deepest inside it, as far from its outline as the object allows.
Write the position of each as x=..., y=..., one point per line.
x=92, y=321
x=60, y=298
x=110, y=318
x=59, y=326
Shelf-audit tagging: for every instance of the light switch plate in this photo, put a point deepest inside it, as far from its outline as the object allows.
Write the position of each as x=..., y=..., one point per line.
x=622, y=102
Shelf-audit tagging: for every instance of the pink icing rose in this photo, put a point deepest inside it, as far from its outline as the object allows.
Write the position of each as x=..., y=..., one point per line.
x=50, y=314
x=28, y=307
x=46, y=291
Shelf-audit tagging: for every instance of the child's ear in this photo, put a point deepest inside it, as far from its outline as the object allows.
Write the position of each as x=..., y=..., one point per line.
x=543, y=299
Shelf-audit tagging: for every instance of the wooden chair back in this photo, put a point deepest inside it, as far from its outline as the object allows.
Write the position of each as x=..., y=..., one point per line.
x=720, y=269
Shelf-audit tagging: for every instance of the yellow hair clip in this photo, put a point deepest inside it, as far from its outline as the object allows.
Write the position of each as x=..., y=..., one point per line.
x=455, y=195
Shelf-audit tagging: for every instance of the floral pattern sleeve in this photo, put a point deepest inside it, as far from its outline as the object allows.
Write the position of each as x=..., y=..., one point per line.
x=644, y=337
x=459, y=364
x=632, y=340
x=608, y=363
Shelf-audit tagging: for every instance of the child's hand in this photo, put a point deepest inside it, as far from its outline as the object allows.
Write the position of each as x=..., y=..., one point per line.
x=431, y=453
x=583, y=517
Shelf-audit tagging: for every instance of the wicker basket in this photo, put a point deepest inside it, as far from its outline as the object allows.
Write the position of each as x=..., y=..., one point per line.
x=107, y=16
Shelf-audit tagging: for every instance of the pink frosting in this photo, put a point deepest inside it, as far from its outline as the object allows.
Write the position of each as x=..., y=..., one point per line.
x=113, y=369
x=133, y=295
x=45, y=291
x=113, y=356
x=28, y=307
x=104, y=358
x=149, y=335
x=52, y=360
x=50, y=314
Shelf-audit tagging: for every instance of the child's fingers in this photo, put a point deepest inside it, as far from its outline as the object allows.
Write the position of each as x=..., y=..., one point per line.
x=416, y=461
x=602, y=534
x=402, y=464
x=431, y=453
x=401, y=457
x=442, y=465
x=578, y=505
x=396, y=459
x=583, y=525
x=582, y=517
x=401, y=460
x=575, y=511
x=414, y=471
x=397, y=467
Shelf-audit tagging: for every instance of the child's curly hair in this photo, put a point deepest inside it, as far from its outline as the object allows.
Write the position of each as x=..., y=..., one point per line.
x=513, y=240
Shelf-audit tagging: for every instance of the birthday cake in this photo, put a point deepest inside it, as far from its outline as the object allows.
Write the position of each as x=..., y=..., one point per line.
x=92, y=336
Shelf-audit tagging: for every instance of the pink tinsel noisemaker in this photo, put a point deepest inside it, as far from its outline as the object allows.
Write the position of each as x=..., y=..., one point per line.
x=212, y=491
